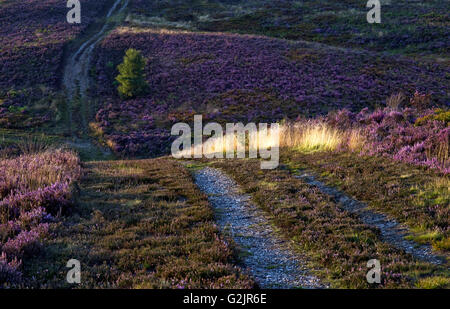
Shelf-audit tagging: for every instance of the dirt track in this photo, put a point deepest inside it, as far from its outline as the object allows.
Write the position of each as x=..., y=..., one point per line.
x=76, y=74
x=77, y=67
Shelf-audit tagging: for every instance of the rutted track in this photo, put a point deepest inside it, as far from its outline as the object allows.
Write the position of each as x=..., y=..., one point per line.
x=267, y=257
x=76, y=74
x=391, y=231
x=77, y=67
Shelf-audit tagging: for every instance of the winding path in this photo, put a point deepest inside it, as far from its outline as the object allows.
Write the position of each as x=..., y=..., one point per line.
x=76, y=74
x=267, y=257
x=77, y=67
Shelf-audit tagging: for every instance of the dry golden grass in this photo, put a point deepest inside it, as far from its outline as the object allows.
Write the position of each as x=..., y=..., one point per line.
x=304, y=136
x=232, y=143
x=395, y=100
x=318, y=136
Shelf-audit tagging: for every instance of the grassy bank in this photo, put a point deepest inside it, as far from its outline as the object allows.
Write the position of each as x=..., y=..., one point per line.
x=139, y=224
x=416, y=196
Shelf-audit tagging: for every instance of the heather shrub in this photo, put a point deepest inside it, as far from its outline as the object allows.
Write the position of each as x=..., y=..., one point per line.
x=410, y=135
x=26, y=242
x=27, y=173
x=31, y=34
x=33, y=189
x=8, y=230
x=8, y=151
x=28, y=219
x=132, y=74
x=9, y=271
x=420, y=101
x=55, y=199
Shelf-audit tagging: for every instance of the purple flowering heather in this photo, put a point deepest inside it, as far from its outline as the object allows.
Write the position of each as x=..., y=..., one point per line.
x=230, y=78
x=9, y=269
x=33, y=188
x=26, y=242
x=31, y=172
x=395, y=134
x=33, y=34
x=54, y=198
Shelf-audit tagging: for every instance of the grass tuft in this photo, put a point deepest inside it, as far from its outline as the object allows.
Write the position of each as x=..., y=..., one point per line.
x=433, y=283
x=311, y=136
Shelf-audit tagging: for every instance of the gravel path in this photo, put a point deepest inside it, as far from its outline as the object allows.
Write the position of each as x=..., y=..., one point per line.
x=267, y=257
x=391, y=231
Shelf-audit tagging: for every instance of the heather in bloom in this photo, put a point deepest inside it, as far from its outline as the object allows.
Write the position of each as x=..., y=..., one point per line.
x=413, y=27
x=9, y=270
x=26, y=242
x=231, y=78
x=395, y=133
x=28, y=173
x=33, y=36
x=33, y=189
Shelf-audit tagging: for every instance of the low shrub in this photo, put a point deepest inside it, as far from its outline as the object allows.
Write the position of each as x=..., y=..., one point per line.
x=34, y=188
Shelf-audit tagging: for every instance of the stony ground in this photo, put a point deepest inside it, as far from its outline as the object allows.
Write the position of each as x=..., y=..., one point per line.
x=266, y=256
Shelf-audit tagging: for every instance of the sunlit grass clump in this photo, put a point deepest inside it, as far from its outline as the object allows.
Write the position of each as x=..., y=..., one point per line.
x=235, y=144
x=318, y=136
x=434, y=193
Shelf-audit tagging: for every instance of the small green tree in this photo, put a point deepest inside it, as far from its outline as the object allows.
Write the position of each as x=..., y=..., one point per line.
x=131, y=76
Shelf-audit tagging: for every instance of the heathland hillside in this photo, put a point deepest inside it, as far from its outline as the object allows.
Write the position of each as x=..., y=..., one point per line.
x=86, y=172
